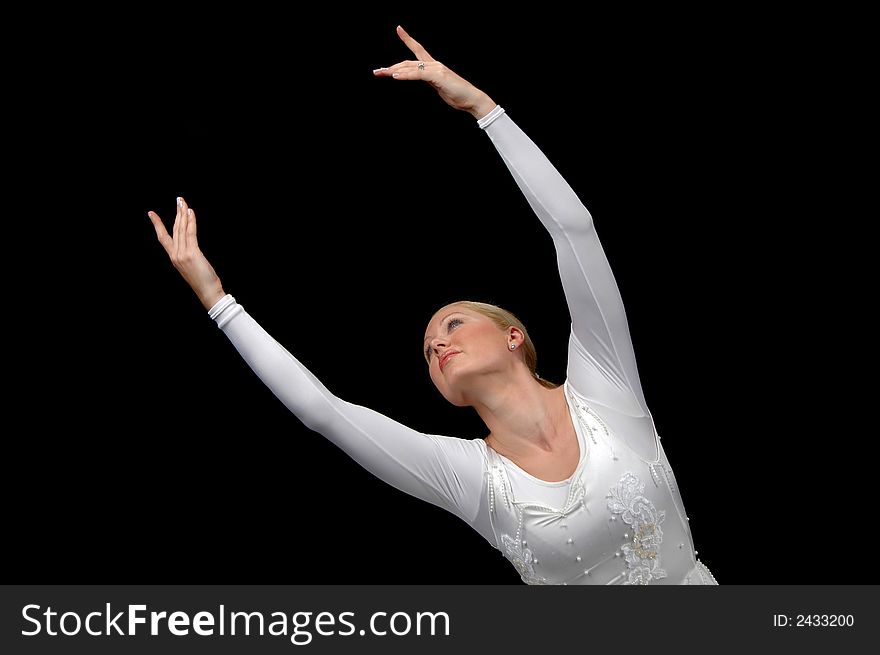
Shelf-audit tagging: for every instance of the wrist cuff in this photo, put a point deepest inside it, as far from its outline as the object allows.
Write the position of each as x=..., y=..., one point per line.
x=486, y=120
x=220, y=307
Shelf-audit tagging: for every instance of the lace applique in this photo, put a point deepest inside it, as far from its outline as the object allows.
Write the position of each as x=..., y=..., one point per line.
x=643, y=554
x=521, y=558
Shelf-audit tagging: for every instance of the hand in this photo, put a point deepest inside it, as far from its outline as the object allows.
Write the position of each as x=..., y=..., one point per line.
x=184, y=252
x=455, y=91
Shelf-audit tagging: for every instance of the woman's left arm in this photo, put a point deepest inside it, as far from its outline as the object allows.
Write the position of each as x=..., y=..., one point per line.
x=601, y=363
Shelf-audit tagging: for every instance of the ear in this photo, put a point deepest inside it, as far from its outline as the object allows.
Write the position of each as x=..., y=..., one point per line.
x=515, y=336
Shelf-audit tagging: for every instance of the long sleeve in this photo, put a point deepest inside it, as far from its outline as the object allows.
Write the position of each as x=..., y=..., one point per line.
x=444, y=471
x=601, y=362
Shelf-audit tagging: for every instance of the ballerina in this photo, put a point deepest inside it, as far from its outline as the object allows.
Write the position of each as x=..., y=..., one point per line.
x=571, y=484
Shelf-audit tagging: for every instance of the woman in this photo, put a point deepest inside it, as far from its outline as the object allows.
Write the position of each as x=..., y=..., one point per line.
x=571, y=484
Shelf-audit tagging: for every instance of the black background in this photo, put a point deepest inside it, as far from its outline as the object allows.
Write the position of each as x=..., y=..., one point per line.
x=152, y=453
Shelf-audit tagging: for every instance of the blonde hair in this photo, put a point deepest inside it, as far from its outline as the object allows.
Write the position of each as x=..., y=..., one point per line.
x=504, y=319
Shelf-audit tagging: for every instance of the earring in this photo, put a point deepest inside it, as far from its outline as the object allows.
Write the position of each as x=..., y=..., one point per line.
x=513, y=346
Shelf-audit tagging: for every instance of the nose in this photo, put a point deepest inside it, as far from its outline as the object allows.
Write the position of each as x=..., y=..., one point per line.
x=438, y=344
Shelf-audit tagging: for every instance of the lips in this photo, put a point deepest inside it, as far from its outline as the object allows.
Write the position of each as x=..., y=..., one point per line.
x=446, y=358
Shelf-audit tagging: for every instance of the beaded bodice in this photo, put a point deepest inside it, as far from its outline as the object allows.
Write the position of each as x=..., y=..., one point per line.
x=621, y=522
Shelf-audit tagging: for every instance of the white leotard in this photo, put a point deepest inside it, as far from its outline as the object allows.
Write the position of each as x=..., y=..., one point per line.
x=619, y=518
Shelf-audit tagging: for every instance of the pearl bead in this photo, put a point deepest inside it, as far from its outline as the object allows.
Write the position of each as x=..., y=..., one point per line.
x=534, y=561
x=569, y=540
x=617, y=554
x=626, y=535
x=578, y=558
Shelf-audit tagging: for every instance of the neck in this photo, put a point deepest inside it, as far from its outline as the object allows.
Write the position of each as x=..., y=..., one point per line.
x=520, y=413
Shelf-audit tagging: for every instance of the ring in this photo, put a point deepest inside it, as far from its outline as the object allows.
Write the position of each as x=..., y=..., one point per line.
x=421, y=65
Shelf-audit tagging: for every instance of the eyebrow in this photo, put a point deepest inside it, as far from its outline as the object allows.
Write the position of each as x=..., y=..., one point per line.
x=441, y=323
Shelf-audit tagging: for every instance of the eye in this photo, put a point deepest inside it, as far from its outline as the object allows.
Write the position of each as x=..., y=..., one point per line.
x=448, y=327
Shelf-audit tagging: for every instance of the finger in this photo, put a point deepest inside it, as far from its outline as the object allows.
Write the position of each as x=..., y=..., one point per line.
x=161, y=232
x=191, y=229
x=400, y=67
x=408, y=70
x=414, y=45
x=184, y=225
x=390, y=70
x=177, y=231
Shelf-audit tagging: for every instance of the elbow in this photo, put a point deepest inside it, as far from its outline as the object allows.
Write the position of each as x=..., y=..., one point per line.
x=314, y=410
x=582, y=220
x=575, y=220
x=317, y=415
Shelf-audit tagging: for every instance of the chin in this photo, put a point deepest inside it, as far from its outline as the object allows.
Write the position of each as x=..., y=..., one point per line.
x=445, y=392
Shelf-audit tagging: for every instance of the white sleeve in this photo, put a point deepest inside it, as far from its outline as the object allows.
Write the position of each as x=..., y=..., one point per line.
x=601, y=361
x=445, y=471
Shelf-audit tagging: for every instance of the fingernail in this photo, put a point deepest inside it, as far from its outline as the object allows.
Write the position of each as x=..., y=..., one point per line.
x=189, y=211
x=395, y=74
x=179, y=201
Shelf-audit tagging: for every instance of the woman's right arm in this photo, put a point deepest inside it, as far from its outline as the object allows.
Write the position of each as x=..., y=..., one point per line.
x=441, y=470
x=444, y=471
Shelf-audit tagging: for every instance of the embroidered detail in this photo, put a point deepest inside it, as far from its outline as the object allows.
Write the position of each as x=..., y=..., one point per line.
x=491, y=479
x=700, y=567
x=491, y=493
x=521, y=558
x=654, y=475
x=583, y=412
x=643, y=554
x=670, y=479
x=706, y=568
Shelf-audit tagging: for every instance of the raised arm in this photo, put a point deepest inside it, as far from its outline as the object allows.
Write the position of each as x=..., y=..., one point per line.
x=444, y=471
x=601, y=364
x=441, y=470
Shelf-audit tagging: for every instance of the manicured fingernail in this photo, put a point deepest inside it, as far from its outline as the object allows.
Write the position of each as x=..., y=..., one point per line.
x=189, y=211
x=179, y=201
x=395, y=74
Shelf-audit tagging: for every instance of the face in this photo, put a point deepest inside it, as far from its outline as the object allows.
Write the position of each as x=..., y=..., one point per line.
x=480, y=348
